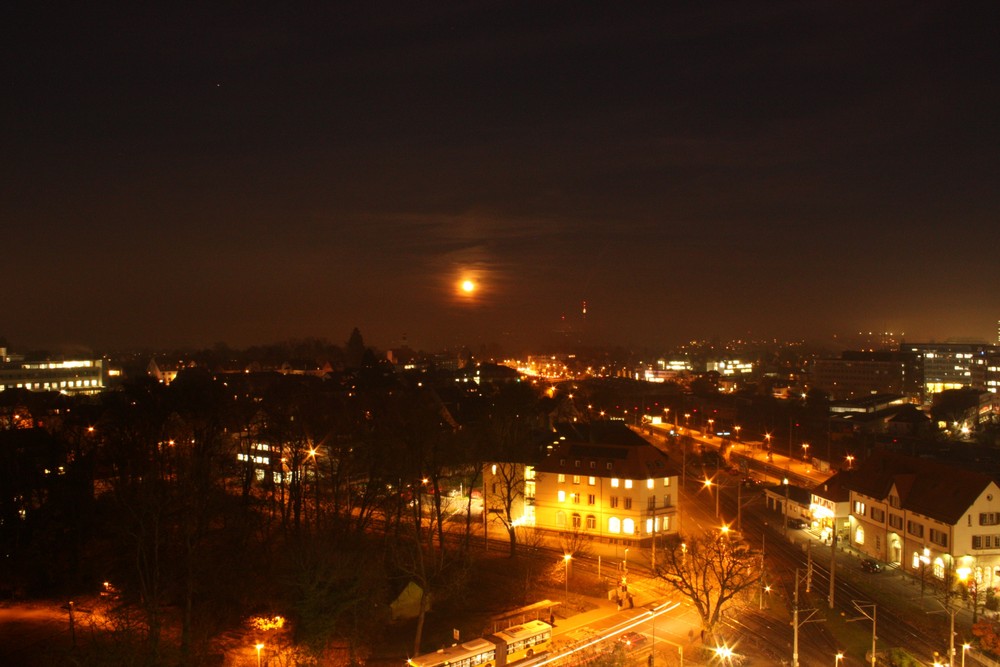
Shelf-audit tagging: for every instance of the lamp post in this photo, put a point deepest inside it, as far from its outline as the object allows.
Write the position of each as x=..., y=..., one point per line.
x=767, y=442
x=965, y=647
x=924, y=559
x=805, y=451
x=687, y=421
x=312, y=455
x=850, y=461
x=837, y=658
x=708, y=485
x=566, y=559
x=711, y=427
x=724, y=653
x=259, y=646
x=784, y=524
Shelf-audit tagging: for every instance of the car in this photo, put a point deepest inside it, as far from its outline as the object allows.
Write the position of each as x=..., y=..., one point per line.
x=797, y=524
x=870, y=565
x=632, y=640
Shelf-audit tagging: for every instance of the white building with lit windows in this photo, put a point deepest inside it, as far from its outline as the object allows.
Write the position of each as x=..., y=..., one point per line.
x=623, y=490
x=79, y=376
x=935, y=521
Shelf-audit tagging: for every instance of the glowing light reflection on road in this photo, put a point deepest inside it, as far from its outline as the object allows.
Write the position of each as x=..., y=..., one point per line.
x=624, y=627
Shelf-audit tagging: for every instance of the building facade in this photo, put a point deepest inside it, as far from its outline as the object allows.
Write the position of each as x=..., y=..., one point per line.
x=81, y=376
x=858, y=374
x=937, y=522
x=954, y=365
x=612, y=492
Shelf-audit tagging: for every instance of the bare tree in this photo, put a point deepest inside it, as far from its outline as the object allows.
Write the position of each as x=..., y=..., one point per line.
x=710, y=570
x=505, y=496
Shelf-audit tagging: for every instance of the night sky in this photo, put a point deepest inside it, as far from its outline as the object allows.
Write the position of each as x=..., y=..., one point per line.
x=192, y=174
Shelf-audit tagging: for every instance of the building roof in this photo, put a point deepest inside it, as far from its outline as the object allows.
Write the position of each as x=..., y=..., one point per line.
x=796, y=494
x=611, y=432
x=925, y=486
x=638, y=460
x=835, y=488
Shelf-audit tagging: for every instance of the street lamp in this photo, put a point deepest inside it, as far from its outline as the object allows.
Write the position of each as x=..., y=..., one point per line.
x=850, y=461
x=258, y=647
x=784, y=524
x=687, y=421
x=965, y=647
x=711, y=429
x=736, y=429
x=837, y=658
x=805, y=451
x=724, y=653
x=566, y=559
x=924, y=559
x=708, y=485
x=625, y=565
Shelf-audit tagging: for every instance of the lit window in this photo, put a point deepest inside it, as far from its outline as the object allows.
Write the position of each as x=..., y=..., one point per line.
x=561, y=478
x=614, y=525
x=628, y=527
x=666, y=481
x=562, y=496
x=628, y=484
x=614, y=482
x=859, y=535
x=591, y=481
x=649, y=526
x=649, y=483
x=576, y=479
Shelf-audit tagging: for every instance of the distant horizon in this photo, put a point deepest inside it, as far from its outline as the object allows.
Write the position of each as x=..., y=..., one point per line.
x=832, y=342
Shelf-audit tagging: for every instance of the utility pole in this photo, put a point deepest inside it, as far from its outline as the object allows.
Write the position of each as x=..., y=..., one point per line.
x=739, y=506
x=809, y=565
x=833, y=562
x=796, y=623
x=784, y=522
x=763, y=584
x=863, y=608
x=951, y=611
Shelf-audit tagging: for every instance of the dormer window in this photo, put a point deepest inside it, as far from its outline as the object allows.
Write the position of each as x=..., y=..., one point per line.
x=593, y=464
x=576, y=463
x=562, y=462
x=609, y=466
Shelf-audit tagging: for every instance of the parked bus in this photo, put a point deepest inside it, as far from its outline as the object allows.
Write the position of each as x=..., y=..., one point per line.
x=522, y=641
x=503, y=649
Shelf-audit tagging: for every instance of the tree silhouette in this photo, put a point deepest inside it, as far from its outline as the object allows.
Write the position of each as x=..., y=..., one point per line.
x=710, y=570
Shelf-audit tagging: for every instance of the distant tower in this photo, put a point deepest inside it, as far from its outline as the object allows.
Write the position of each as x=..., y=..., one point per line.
x=585, y=309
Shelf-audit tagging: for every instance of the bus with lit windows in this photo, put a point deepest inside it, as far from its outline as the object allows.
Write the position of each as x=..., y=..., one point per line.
x=503, y=649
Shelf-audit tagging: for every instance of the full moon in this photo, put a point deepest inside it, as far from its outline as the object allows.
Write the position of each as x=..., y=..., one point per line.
x=468, y=286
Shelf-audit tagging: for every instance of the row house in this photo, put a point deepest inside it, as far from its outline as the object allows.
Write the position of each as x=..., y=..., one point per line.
x=935, y=521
